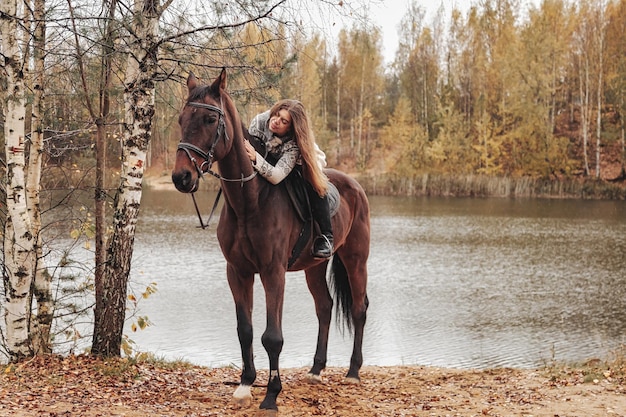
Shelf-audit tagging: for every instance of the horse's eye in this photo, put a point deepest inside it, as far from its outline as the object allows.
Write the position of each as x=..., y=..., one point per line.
x=210, y=119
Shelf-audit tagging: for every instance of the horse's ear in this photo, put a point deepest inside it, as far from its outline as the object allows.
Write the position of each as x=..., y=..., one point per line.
x=192, y=81
x=220, y=82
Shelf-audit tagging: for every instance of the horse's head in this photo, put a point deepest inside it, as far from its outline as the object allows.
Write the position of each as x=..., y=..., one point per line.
x=206, y=132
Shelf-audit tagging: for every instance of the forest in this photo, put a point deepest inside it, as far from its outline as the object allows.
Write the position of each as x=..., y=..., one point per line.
x=495, y=92
x=499, y=100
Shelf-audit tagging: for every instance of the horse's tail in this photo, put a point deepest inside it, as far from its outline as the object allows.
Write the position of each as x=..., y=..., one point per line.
x=343, y=294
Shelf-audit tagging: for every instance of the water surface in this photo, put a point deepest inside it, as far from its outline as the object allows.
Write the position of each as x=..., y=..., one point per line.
x=469, y=283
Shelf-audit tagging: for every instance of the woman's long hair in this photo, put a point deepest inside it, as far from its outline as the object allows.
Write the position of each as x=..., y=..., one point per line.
x=303, y=134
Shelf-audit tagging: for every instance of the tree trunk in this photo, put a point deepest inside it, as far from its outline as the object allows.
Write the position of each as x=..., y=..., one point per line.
x=584, y=108
x=19, y=262
x=600, y=38
x=622, y=136
x=40, y=325
x=100, y=192
x=139, y=94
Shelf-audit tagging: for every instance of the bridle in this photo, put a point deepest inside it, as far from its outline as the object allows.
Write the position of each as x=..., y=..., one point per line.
x=207, y=157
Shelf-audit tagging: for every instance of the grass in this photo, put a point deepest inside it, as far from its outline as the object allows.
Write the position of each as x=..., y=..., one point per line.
x=487, y=186
x=127, y=366
x=612, y=369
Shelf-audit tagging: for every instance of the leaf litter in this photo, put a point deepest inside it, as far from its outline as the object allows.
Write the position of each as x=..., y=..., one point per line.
x=55, y=386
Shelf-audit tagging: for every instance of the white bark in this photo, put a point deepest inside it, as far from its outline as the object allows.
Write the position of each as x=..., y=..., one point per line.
x=599, y=33
x=18, y=239
x=40, y=325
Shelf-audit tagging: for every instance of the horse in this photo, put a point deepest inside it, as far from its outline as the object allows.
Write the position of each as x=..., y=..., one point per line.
x=257, y=229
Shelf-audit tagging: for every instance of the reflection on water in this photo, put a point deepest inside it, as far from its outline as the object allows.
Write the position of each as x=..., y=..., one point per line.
x=468, y=283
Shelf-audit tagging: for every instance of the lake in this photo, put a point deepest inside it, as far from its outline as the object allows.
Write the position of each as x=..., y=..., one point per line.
x=465, y=283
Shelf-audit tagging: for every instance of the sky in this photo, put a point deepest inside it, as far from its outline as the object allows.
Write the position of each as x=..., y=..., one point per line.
x=387, y=15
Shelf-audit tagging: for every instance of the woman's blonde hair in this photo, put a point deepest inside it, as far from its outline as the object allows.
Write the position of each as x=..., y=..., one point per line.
x=303, y=134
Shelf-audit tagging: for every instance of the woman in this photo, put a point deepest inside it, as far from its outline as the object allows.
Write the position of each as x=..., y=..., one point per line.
x=291, y=144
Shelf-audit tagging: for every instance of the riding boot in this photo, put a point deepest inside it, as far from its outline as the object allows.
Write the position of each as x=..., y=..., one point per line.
x=323, y=244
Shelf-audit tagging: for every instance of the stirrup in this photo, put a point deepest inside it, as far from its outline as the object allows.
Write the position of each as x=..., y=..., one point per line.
x=322, y=248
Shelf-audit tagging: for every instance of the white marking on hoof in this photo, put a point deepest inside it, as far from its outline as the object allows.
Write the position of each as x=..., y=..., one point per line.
x=352, y=381
x=313, y=379
x=243, y=396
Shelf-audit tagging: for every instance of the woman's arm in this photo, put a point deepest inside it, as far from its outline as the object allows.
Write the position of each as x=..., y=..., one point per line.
x=276, y=173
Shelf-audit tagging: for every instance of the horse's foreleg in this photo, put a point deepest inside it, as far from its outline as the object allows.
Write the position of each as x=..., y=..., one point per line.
x=272, y=338
x=316, y=281
x=242, y=290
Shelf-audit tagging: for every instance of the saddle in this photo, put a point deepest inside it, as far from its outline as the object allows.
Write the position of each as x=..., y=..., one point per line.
x=300, y=198
x=296, y=188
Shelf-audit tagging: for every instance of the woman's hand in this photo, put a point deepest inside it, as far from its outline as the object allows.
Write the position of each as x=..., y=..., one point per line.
x=250, y=150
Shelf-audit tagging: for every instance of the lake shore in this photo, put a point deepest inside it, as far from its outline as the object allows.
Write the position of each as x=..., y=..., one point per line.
x=440, y=185
x=84, y=386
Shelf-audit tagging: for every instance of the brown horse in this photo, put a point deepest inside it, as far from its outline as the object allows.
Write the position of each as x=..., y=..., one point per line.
x=258, y=227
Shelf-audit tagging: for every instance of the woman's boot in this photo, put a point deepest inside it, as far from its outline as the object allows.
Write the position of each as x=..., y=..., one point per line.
x=323, y=244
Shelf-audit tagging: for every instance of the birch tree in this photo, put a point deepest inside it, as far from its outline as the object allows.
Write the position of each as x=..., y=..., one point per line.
x=19, y=259
x=600, y=23
x=42, y=322
x=139, y=98
x=360, y=60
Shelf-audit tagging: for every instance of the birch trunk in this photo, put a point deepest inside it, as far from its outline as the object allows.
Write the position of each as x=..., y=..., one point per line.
x=139, y=93
x=18, y=239
x=583, y=86
x=601, y=27
x=40, y=325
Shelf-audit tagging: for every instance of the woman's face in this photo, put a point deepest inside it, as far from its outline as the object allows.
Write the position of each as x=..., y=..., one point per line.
x=280, y=124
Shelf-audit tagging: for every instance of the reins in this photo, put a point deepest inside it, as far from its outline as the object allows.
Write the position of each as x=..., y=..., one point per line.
x=208, y=159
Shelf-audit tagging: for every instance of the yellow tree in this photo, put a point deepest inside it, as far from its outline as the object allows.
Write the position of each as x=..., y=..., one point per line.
x=304, y=80
x=403, y=142
x=538, y=88
x=589, y=53
x=265, y=48
x=451, y=152
x=616, y=71
x=360, y=85
x=419, y=67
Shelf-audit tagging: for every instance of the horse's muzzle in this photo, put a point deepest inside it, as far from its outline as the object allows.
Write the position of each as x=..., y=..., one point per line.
x=185, y=181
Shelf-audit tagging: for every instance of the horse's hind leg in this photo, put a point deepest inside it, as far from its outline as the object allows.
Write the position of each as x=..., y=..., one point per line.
x=316, y=281
x=242, y=290
x=356, y=269
x=359, y=310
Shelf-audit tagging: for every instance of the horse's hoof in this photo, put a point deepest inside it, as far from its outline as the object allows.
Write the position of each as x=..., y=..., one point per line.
x=243, y=396
x=267, y=413
x=313, y=379
x=351, y=381
x=243, y=402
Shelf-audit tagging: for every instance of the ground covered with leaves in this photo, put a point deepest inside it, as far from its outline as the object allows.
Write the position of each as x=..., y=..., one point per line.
x=53, y=386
